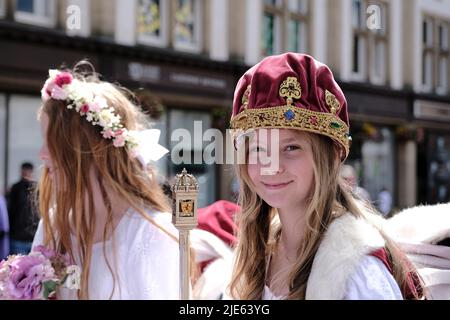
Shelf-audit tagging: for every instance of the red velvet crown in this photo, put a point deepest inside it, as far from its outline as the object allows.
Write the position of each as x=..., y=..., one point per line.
x=291, y=91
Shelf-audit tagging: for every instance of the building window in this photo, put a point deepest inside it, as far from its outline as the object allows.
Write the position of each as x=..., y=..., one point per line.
x=435, y=55
x=372, y=156
x=24, y=144
x=2, y=8
x=284, y=26
x=370, y=41
x=427, y=55
x=438, y=167
x=359, y=54
x=152, y=22
x=37, y=12
x=443, y=58
x=187, y=153
x=187, y=28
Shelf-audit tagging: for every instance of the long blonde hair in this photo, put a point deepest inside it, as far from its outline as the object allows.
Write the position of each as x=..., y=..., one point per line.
x=75, y=146
x=328, y=200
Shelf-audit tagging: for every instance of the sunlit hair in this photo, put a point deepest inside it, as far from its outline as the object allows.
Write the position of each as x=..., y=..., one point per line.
x=259, y=227
x=77, y=148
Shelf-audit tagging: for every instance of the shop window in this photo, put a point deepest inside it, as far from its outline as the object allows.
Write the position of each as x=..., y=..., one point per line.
x=152, y=22
x=37, y=12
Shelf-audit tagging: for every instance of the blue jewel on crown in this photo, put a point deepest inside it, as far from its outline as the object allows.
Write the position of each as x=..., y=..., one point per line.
x=289, y=115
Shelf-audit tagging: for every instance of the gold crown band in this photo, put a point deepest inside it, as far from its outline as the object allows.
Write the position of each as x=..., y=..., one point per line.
x=291, y=117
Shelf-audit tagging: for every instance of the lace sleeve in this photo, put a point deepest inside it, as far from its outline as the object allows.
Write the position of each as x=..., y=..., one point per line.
x=372, y=281
x=153, y=271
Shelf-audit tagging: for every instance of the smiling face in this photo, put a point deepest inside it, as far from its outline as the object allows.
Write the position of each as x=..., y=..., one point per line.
x=290, y=183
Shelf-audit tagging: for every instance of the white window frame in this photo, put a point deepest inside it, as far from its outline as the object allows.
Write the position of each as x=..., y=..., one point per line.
x=368, y=40
x=361, y=75
x=277, y=35
x=374, y=78
x=303, y=7
x=430, y=32
x=446, y=35
x=442, y=55
x=36, y=18
x=427, y=69
x=442, y=72
x=163, y=39
x=2, y=8
x=357, y=30
x=360, y=24
x=376, y=37
x=302, y=36
x=299, y=16
x=196, y=46
x=283, y=14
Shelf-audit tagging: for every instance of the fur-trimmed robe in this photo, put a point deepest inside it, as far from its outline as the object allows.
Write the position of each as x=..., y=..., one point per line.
x=345, y=243
x=423, y=232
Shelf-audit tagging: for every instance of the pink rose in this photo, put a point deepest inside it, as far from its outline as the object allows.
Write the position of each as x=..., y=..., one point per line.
x=85, y=108
x=63, y=78
x=119, y=141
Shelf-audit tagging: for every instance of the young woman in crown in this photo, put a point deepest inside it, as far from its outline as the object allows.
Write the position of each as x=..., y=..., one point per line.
x=99, y=201
x=302, y=235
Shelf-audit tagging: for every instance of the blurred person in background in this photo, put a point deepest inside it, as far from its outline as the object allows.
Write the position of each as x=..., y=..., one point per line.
x=385, y=202
x=23, y=217
x=348, y=173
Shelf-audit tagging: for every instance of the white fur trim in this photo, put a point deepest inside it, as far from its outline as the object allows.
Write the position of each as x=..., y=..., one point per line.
x=421, y=224
x=345, y=243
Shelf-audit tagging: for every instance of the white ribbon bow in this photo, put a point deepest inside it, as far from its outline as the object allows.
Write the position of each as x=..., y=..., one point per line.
x=149, y=149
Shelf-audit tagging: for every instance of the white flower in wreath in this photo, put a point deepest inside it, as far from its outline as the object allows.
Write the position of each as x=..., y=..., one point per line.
x=73, y=279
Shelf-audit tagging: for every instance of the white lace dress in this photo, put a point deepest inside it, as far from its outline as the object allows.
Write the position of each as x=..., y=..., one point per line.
x=370, y=281
x=147, y=261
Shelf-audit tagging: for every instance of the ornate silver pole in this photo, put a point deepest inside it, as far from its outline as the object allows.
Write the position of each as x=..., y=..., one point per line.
x=184, y=217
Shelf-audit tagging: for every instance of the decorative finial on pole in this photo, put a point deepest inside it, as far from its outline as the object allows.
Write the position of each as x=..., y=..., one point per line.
x=184, y=217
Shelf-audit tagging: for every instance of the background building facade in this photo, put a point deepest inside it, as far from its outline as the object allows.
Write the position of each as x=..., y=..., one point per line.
x=391, y=57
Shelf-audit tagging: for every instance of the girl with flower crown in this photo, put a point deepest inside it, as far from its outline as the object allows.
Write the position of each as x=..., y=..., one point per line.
x=98, y=200
x=302, y=235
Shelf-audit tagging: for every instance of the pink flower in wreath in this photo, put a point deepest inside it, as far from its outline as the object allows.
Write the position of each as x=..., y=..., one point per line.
x=46, y=91
x=95, y=107
x=63, y=78
x=85, y=108
x=58, y=93
x=108, y=134
x=119, y=141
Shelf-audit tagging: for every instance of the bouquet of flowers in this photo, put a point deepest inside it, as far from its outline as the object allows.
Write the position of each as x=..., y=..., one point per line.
x=38, y=275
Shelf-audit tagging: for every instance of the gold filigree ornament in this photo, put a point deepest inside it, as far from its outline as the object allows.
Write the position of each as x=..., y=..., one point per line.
x=246, y=96
x=332, y=102
x=290, y=89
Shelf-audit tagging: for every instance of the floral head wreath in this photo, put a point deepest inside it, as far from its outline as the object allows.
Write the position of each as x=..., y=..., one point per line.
x=63, y=86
